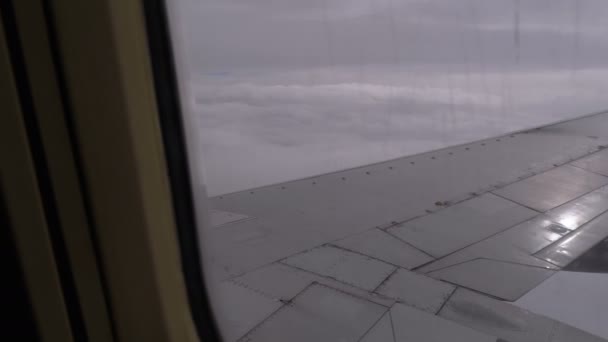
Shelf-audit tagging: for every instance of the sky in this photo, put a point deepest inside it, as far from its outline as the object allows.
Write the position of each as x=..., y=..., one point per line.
x=276, y=90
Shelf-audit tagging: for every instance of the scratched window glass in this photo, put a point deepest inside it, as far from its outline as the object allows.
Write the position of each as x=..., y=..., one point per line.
x=399, y=170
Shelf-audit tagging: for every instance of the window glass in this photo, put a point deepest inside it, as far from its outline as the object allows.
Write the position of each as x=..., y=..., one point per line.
x=363, y=166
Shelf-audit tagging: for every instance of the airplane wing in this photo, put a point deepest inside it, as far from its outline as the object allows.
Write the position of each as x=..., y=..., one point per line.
x=431, y=247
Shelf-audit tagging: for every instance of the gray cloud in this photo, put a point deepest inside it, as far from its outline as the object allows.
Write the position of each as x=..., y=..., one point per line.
x=230, y=34
x=283, y=89
x=317, y=127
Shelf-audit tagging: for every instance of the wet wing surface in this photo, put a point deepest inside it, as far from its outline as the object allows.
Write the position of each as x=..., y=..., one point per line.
x=430, y=247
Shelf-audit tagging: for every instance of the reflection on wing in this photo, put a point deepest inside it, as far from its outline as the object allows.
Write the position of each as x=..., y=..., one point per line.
x=429, y=247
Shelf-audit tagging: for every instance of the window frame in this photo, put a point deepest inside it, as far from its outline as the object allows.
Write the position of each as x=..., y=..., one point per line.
x=113, y=136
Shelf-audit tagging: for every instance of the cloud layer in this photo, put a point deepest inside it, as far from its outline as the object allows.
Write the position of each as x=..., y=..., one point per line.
x=279, y=90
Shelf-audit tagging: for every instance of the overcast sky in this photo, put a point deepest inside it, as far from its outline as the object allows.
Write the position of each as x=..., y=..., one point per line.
x=284, y=89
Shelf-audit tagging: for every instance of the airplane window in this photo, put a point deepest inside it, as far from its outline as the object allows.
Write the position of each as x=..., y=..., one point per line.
x=399, y=170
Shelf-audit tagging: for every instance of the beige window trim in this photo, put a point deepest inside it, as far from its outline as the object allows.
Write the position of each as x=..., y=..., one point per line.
x=107, y=70
x=32, y=28
x=20, y=188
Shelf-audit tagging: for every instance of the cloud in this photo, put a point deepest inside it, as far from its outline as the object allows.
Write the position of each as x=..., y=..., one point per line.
x=223, y=34
x=284, y=89
x=261, y=132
